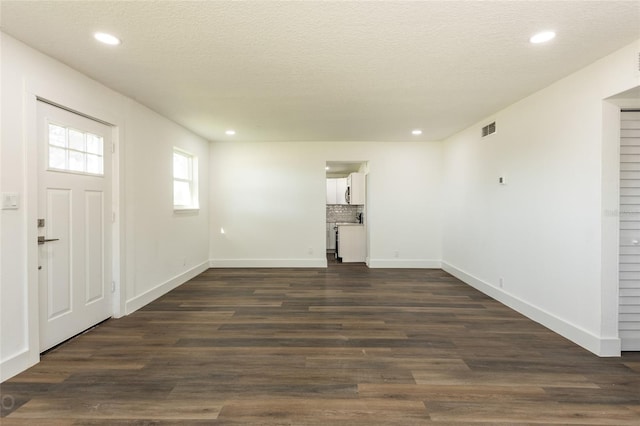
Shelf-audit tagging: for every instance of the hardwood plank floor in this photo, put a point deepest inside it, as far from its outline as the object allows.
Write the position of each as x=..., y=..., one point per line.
x=345, y=345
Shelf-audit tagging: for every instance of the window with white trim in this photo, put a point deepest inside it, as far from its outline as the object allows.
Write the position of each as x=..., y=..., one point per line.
x=185, y=180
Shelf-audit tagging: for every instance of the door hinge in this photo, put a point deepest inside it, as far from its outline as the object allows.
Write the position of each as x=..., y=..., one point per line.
x=113, y=217
x=113, y=148
x=113, y=286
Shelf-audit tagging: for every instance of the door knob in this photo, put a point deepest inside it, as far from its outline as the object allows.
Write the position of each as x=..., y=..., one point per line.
x=42, y=240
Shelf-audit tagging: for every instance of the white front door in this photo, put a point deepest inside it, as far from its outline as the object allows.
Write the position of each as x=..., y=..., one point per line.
x=74, y=223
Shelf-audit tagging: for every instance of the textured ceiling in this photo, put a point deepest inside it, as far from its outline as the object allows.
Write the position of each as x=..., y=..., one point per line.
x=325, y=71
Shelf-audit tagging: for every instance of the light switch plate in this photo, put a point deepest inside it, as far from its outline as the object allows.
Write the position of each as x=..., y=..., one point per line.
x=10, y=200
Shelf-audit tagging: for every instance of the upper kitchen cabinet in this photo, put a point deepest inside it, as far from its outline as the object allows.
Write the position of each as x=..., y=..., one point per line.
x=337, y=191
x=355, y=188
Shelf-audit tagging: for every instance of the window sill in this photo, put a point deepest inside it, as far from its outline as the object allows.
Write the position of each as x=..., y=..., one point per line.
x=186, y=209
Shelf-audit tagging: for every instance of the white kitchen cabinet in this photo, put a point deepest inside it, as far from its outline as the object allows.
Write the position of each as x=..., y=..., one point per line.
x=341, y=191
x=336, y=190
x=331, y=191
x=352, y=243
x=355, y=186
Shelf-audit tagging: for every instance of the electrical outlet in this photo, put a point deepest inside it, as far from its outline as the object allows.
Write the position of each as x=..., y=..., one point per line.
x=310, y=250
x=396, y=254
x=501, y=282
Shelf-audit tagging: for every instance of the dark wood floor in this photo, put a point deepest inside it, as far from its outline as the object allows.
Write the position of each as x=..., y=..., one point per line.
x=345, y=345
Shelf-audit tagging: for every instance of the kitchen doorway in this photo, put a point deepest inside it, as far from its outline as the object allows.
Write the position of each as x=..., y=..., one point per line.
x=346, y=211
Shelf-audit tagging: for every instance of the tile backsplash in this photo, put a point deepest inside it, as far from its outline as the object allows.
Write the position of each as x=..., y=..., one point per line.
x=343, y=213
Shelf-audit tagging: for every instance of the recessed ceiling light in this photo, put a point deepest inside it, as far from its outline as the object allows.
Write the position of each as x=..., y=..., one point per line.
x=107, y=39
x=416, y=132
x=230, y=132
x=542, y=37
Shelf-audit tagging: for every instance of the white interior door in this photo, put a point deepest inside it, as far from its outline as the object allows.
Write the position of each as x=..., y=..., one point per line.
x=74, y=223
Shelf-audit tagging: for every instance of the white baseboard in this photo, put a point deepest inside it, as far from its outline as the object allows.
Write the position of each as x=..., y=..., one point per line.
x=149, y=296
x=404, y=263
x=18, y=363
x=269, y=263
x=598, y=345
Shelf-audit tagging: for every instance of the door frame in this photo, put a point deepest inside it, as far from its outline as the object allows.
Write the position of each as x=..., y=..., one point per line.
x=93, y=108
x=624, y=106
x=610, y=221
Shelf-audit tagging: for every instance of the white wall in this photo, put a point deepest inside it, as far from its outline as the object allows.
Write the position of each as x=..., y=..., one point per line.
x=270, y=198
x=164, y=248
x=152, y=240
x=542, y=233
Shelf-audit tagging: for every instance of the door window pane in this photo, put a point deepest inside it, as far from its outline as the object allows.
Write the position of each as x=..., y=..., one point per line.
x=94, y=164
x=77, y=161
x=76, y=140
x=57, y=158
x=57, y=135
x=94, y=144
x=75, y=151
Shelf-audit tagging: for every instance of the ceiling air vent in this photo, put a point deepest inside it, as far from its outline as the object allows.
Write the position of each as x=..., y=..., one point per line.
x=489, y=129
